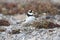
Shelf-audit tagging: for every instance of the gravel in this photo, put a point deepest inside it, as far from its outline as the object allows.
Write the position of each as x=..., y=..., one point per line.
x=28, y=33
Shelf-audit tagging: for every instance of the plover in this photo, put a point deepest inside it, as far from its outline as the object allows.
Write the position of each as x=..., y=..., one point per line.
x=30, y=18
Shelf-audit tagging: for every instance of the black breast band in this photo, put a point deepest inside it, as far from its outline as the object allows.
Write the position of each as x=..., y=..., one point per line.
x=29, y=15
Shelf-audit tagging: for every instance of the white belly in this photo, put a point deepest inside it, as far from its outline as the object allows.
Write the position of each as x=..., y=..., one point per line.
x=30, y=19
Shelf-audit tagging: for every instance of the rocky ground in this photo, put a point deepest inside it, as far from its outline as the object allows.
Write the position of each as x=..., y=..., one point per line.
x=31, y=34
x=26, y=33
x=13, y=28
